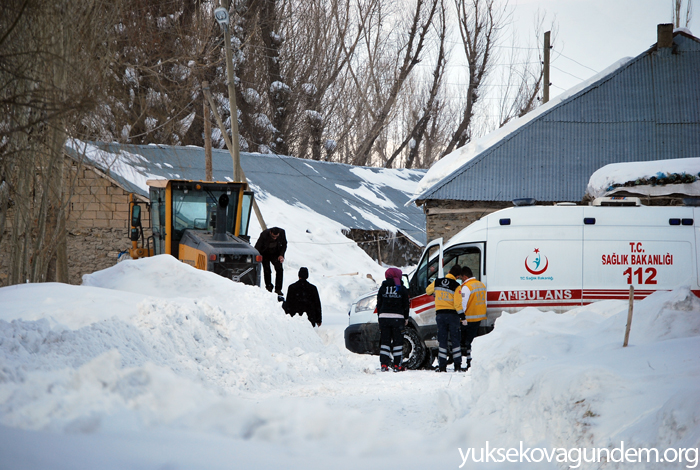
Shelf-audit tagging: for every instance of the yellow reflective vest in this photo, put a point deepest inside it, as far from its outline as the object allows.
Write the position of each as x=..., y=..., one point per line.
x=473, y=300
x=448, y=299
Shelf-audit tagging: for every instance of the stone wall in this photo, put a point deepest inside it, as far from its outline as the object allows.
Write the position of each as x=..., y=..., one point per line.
x=98, y=221
x=447, y=218
x=393, y=249
x=97, y=225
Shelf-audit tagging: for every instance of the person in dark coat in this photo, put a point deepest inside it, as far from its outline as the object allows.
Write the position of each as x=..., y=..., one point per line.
x=272, y=245
x=302, y=296
x=392, y=307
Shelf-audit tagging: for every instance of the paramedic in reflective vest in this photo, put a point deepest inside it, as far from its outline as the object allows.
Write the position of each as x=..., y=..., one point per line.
x=448, y=313
x=392, y=307
x=474, y=306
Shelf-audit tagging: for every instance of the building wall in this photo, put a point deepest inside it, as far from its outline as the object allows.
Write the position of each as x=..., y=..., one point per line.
x=447, y=218
x=97, y=225
x=389, y=248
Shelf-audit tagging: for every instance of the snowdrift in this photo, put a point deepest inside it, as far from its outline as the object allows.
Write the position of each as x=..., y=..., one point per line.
x=564, y=380
x=164, y=360
x=155, y=338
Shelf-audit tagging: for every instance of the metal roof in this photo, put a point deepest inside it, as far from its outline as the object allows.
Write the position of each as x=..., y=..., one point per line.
x=648, y=109
x=315, y=184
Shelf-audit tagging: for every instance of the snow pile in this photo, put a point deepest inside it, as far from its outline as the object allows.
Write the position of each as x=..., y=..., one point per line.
x=660, y=177
x=337, y=266
x=450, y=163
x=565, y=381
x=170, y=334
x=153, y=364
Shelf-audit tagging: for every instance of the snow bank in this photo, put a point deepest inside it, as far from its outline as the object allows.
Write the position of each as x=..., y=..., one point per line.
x=611, y=177
x=166, y=342
x=564, y=380
x=337, y=266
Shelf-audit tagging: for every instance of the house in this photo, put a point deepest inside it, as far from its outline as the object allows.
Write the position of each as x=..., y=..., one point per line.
x=641, y=109
x=369, y=202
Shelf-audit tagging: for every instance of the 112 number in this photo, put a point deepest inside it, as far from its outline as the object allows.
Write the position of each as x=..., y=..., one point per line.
x=651, y=279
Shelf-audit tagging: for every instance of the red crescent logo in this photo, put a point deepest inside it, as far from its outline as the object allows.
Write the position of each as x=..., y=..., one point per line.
x=546, y=264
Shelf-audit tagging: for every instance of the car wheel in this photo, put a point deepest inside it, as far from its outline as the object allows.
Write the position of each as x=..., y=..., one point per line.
x=413, y=349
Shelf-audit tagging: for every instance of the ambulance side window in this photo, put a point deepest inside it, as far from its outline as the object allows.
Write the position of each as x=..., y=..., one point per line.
x=464, y=256
x=426, y=272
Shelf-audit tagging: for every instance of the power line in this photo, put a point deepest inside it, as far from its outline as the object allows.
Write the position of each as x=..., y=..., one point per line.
x=563, y=71
x=579, y=63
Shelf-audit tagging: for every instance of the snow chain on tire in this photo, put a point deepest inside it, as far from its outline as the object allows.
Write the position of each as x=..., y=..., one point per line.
x=413, y=349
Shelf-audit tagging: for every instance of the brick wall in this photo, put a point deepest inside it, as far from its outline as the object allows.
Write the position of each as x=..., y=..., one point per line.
x=98, y=223
x=394, y=249
x=447, y=218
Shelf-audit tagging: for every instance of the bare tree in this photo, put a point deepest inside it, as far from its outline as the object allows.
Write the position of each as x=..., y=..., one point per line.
x=51, y=71
x=322, y=63
x=415, y=135
x=678, y=13
x=412, y=47
x=479, y=22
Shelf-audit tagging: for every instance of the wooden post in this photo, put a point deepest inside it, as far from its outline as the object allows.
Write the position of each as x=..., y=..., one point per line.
x=207, y=138
x=235, y=146
x=545, y=96
x=379, y=250
x=629, y=318
x=229, y=145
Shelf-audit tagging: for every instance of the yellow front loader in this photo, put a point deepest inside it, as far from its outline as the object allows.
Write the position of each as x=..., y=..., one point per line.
x=201, y=223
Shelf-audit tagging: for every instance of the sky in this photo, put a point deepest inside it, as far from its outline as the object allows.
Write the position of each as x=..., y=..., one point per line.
x=593, y=34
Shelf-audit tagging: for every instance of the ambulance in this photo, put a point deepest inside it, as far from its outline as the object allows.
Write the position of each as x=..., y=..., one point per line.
x=554, y=258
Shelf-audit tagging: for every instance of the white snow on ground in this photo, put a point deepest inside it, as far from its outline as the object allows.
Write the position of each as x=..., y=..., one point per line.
x=604, y=178
x=450, y=163
x=152, y=364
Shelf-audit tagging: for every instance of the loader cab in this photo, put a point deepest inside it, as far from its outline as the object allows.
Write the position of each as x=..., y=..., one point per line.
x=193, y=207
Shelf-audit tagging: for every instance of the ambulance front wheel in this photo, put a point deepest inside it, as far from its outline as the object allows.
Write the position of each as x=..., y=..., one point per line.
x=414, y=350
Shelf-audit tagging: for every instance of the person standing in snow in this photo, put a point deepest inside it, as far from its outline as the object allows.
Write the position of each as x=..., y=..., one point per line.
x=302, y=296
x=392, y=308
x=448, y=314
x=473, y=294
x=272, y=245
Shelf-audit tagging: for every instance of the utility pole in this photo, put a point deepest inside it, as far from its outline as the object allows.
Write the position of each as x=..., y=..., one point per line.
x=545, y=96
x=207, y=137
x=222, y=18
x=229, y=145
x=221, y=15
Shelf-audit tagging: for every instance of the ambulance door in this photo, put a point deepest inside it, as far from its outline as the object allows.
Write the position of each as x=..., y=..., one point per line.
x=696, y=222
x=650, y=248
x=429, y=269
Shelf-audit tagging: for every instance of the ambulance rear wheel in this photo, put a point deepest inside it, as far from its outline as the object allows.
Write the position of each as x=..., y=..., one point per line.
x=413, y=349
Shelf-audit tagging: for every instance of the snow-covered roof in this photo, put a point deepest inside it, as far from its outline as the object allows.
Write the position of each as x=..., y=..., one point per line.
x=356, y=197
x=640, y=109
x=657, y=178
